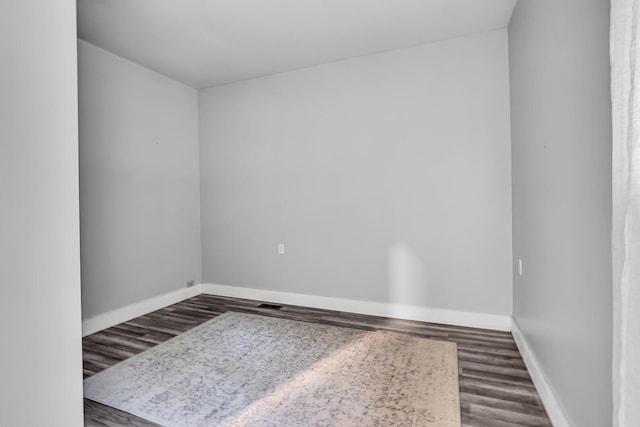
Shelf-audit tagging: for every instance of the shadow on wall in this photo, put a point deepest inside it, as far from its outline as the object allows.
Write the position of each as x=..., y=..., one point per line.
x=408, y=278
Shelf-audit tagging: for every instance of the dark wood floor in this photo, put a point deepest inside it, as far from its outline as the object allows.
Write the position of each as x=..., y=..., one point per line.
x=495, y=387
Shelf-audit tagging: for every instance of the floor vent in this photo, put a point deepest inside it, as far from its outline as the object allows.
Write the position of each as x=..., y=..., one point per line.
x=270, y=306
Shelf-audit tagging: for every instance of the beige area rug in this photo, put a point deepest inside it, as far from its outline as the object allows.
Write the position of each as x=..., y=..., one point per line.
x=248, y=370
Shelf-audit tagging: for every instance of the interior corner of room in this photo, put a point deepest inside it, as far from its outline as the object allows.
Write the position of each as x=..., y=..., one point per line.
x=358, y=167
x=464, y=181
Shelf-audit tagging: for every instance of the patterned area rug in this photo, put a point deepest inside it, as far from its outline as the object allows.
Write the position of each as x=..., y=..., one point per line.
x=248, y=370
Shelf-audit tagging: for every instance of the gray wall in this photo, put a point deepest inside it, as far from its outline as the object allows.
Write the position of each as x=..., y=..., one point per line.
x=561, y=144
x=387, y=177
x=140, y=206
x=40, y=357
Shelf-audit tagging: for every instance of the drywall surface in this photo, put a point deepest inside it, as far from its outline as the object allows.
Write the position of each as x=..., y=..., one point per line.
x=561, y=145
x=386, y=177
x=139, y=191
x=41, y=356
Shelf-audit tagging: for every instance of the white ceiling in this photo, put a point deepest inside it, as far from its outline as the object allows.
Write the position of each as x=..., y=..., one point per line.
x=210, y=42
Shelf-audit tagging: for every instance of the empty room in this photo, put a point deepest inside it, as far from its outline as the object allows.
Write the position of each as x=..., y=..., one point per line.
x=320, y=213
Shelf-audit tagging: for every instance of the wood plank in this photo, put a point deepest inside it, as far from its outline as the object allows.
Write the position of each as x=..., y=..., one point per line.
x=97, y=414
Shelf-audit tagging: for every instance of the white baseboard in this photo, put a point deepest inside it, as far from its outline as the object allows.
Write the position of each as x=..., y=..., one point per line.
x=557, y=414
x=112, y=318
x=399, y=311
